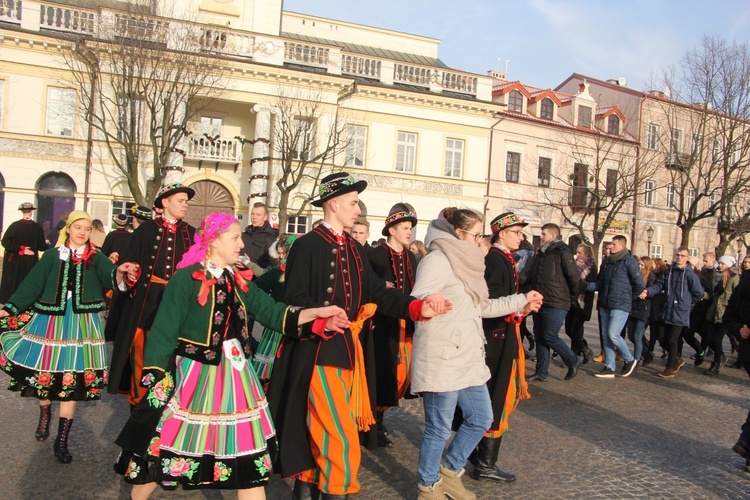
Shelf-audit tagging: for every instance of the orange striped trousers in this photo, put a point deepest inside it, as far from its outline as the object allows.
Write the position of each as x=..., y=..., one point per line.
x=137, y=350
x=333, y=432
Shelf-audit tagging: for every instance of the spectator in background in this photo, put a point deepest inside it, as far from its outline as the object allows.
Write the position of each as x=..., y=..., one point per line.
x=22, y=241
x=360, y=232
x=709, y=276
x=657, y=326
x=640, y=314
x=714, y=329
x=417, y=248
x=54, y=234
x=745, y=264
x=580, y=310
x=97, y=232
x=259, y=236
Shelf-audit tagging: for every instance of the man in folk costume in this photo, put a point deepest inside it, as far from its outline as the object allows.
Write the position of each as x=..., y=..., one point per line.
x=505, y=355
x=156, y=246
x=396, y=265
x=318, y=392
x=22, y=241
x=117, y=240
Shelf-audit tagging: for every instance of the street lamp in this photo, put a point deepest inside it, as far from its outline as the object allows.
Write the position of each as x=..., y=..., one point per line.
x=649, y=237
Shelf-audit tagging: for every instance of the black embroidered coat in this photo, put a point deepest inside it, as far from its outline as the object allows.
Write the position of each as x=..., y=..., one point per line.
x=25, y=233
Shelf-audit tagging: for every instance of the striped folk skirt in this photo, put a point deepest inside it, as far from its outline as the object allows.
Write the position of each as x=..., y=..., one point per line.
x=266, y=353
x=62, y=358
x=212, y=429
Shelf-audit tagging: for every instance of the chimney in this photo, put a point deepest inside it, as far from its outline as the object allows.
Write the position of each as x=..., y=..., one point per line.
x=499, y=75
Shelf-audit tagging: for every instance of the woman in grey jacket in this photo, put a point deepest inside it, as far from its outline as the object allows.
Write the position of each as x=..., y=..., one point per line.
x=448, y=366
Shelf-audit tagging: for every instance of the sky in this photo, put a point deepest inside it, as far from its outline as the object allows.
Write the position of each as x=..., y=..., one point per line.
x=542, y=42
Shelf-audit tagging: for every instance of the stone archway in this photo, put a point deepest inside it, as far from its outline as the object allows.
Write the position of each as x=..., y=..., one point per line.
x=55, y=197
x=209, y=197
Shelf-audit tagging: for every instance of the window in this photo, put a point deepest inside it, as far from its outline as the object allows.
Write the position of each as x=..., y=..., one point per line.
x=716, y=150
x=515, y=101
x=690, y=198
x=695, y=145
x=303, y=139
x=656, y=251
x=297, y=225
x=714, y=197
x=211, y=125
x=611, y=186
x=653, y=136
x=676, y=144
x=580, y=175
x=454, y=157
x=512, y=167
x=547, y=109
x=355, y=149
x=123, y=207
x=406, y=152
x=649, y=193
x=129, y=116
x=544, y=171
x=584, y=116
x=613, y=124
x=694, y=252
x=735, y=155
x=61, y=108
x=670, y=196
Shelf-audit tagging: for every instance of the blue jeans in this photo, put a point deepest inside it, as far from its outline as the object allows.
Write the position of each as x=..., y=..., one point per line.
x=547, y=324
x=613, y=321
x=439, y=409
x=636, y=330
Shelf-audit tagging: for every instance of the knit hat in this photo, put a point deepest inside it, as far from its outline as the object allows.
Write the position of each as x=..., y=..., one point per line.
x=400, y=212
x=727, y=260
x=335, y=185
x=72, y=217
x=172, y=184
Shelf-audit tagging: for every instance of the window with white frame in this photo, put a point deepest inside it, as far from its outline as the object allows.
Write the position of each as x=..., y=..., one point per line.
x=649, y=193
x=652, y=138
x=544, y=171
x=713, y=197
x=297, y=224
x=676, y=144
x=61, y=107
x=129, y=118
x=123, y=207
x=211, y=125
x=670, y=196
x=694, y=252
x=406, y=152
x=512, y=166
x=303, y=138
x=735, y=155
x=356, y=147
x=689, y=198
x=610, y=188
x=695, y=145
x=656, y=251
x=454, y=157
x=716, y=150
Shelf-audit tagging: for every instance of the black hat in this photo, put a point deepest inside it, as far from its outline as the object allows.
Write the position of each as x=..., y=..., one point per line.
x=140, y=212
x=25, y=207
x=506, y=220
x=172, y=184
x=400, y=212
x=335, y=185
x=120, y=220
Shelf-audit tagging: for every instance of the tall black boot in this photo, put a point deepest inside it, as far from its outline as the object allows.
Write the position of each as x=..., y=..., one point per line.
x=328, y=496
x=383, y=439
x=42, y=429
x=305, y=491
x=484, y=459
x=61, y=441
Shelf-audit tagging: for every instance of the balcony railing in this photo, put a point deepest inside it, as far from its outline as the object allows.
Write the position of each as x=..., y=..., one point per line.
x=306, y=54
x=226, y=42
x=360, y=66
x=221, y=150
x=141, y=28
x=578, y=197
x=415, y=75
x=459, y=82
x=67, y=19
x=10, y=11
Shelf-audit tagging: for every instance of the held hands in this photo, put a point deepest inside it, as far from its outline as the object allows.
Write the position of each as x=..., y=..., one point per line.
x=643, y=295
x=4, y=313
x=744, y=331
x=534, y=302
x=337, y=320
x=129, y=269
x=28, y=251
x=435, y=305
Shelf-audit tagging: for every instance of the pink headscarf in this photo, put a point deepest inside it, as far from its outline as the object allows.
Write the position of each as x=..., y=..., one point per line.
x=210, y=229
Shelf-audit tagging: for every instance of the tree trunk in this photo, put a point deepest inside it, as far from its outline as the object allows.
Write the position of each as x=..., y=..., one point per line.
x=685, y=239
x=721, y=248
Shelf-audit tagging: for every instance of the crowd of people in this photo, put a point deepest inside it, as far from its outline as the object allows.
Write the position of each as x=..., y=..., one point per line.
x=350, y=329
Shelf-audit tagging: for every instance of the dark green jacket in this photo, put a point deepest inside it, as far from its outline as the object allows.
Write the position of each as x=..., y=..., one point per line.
x=47, y=285
x=184, y=327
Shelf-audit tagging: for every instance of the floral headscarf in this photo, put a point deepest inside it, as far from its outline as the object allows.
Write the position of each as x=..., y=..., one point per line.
x=212, y=226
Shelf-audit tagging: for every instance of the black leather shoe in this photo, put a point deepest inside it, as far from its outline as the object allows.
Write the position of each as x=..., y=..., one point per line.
x=384, y=441
x=740, y=447
x=305, y=491
x=484, y=458
x=572, y=371
x=714, y=370
x=536, y=378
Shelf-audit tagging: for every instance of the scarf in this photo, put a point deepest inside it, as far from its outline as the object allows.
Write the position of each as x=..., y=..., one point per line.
x=466, y=260
x=212, y=226
x=585, y=266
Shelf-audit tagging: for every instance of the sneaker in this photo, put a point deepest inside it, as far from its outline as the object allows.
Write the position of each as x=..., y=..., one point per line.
x=680, y=364
x=699, y=358
x=605, y=373
x=629, y=367
x=536, y=378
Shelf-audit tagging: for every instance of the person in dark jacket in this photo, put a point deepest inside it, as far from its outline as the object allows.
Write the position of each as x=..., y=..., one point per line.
x=640, y=314
x=619, y=282
x=580, y=310
x=259, y=236
x=736, y=320
x=554, y=274
x=681, y=288
x=709, y=276
x=22, y=241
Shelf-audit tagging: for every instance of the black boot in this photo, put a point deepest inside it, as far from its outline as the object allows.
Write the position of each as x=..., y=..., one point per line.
x=713, y=370
x=61, y=441
x=484, y=458
x=305, y=491
x=45, y=415
x=383, y=439
x=328, y=496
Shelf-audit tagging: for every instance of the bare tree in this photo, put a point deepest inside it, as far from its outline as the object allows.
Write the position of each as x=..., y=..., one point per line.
x=141, y=79
x=309, y=140
x=600, y=189
x=707, y=141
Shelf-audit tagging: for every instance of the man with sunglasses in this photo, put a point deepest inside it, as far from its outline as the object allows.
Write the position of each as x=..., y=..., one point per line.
x=682, y=288
x=555, y=275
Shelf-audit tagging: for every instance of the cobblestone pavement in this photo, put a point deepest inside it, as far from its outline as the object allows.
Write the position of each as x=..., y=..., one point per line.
x=623, y=438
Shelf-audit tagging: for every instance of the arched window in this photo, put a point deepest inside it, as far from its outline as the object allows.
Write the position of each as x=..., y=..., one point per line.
x=54, y=198
x=547, y=110
x=515, y=101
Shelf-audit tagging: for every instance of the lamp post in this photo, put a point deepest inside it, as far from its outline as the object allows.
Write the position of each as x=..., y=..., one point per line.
x=649, y=238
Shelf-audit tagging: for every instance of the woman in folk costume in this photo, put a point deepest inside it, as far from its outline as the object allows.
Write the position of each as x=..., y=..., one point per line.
x=60, y=354
x=273, y=282
x=204, y=422
x=448, y=357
